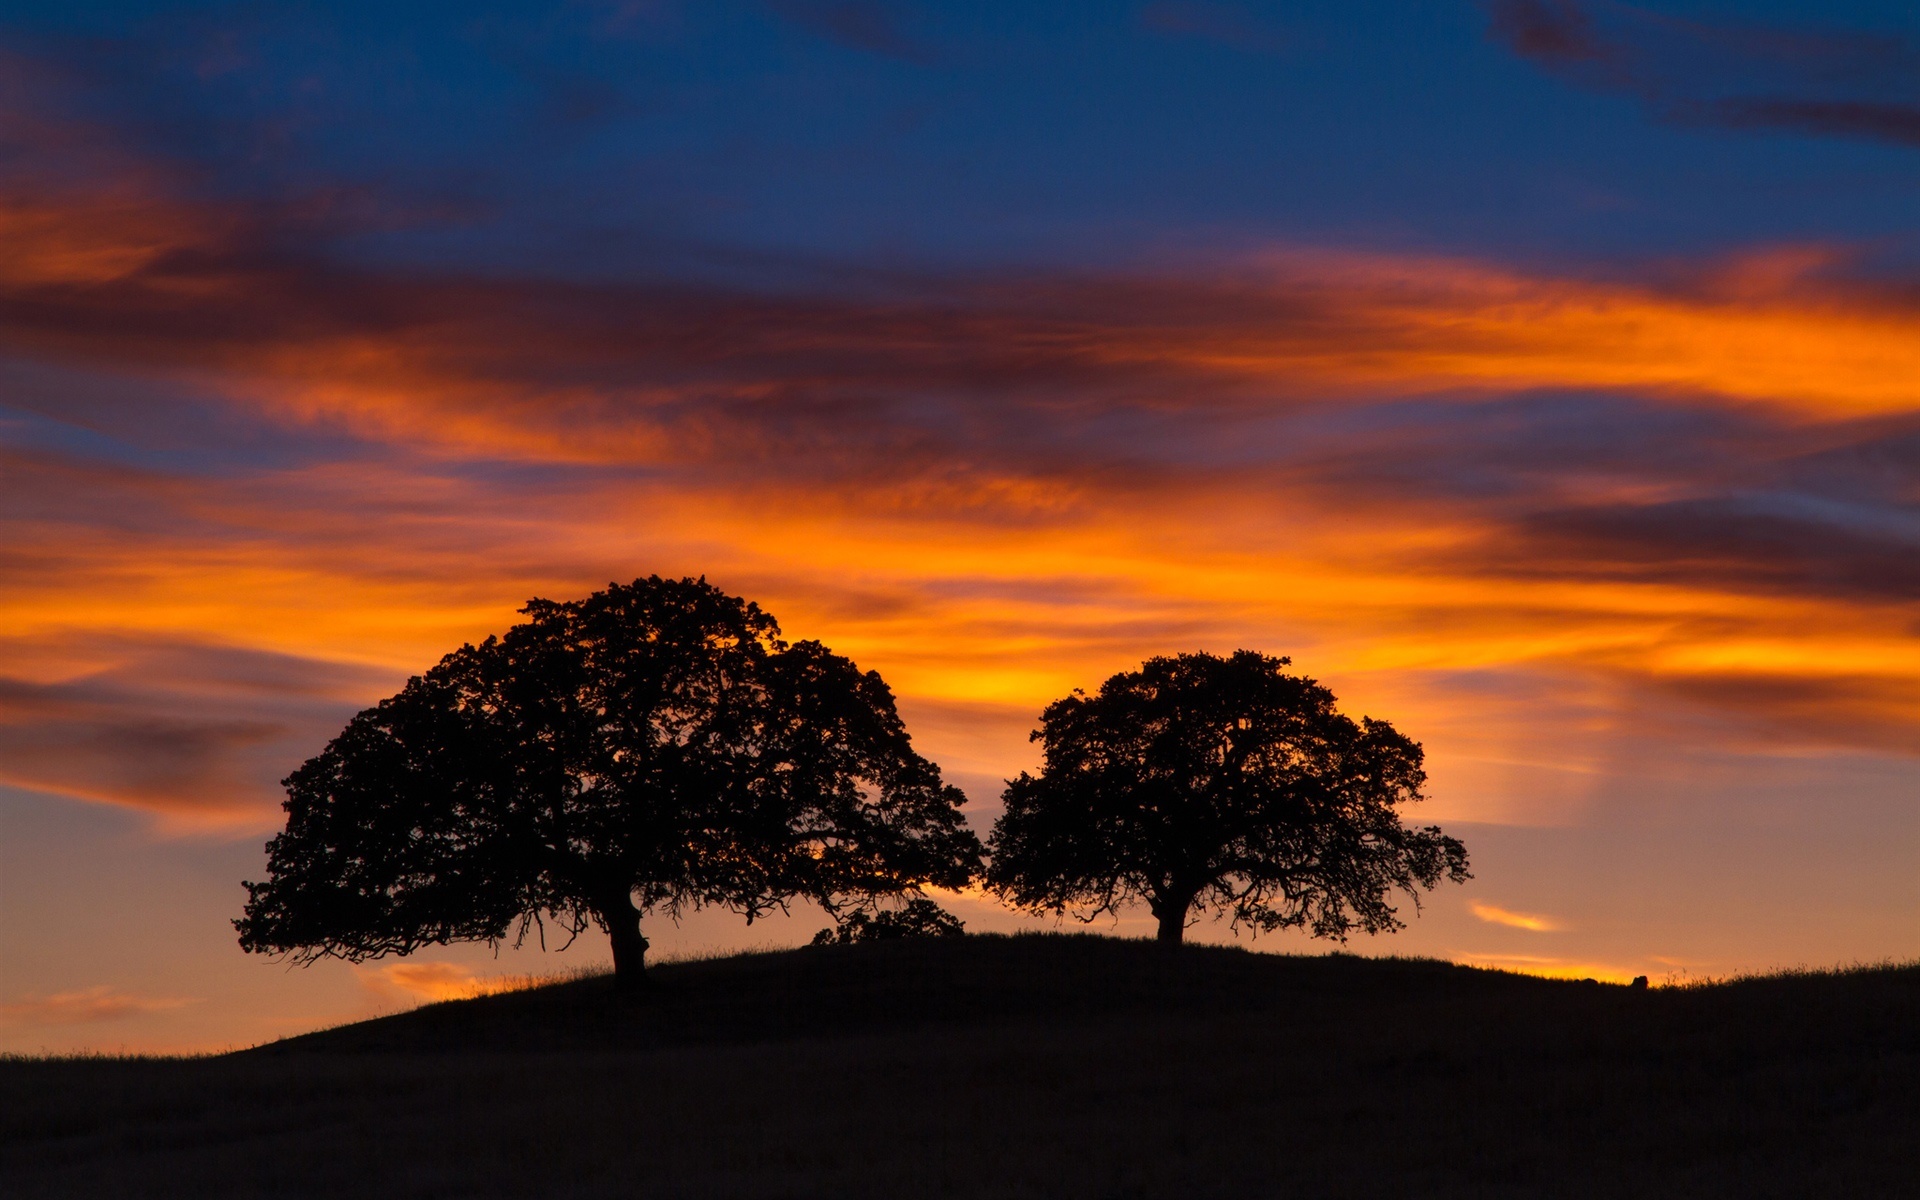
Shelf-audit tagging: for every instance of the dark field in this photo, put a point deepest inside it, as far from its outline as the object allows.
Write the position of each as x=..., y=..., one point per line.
x=1029, y=1066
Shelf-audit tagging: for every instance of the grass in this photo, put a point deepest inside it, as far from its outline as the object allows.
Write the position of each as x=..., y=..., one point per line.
x=1034, y=1066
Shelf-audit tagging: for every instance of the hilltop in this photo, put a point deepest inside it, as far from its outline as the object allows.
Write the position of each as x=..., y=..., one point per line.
x=909, y=985
x=1037, y=1066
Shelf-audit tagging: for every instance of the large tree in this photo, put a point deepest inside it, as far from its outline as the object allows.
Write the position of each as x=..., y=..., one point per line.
x=652, y=748
x=1222, y=784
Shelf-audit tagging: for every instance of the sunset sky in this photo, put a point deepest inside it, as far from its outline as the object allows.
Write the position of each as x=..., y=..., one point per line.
x=1541, y=375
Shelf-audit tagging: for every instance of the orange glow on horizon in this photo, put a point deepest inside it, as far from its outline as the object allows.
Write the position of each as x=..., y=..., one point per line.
x=1551, y=968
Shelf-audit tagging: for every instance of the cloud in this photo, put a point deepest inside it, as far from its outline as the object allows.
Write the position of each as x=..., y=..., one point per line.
x=1864, y=700
x=1445, y=460
x=1737, y=75
x=1493, y=914
x=1552, y=31
x=1230, y=25
x=199, y=733
x=56, y=740
x=130, y=271
x=1683, y=488
x=1779, y=541
x=430, y=982
x=668, y=375
x=1898, y=123
x=865, y=25
x=421, y=981
x=85, y=1007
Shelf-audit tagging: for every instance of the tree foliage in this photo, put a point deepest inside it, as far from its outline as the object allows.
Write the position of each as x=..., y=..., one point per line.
x=652, y=748
x=1222, y=783
x=917, y=918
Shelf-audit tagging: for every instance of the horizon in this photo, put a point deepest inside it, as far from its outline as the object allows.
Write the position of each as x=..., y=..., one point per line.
x=1542, y=376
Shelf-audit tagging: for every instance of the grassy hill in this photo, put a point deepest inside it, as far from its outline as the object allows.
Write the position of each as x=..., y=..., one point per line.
x=1046, y=1066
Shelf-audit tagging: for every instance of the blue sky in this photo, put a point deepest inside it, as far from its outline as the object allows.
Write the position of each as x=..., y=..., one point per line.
x=661, y=137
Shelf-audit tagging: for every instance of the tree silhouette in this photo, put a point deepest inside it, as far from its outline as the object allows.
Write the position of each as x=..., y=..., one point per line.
x=1226, y=784
x=653, y=748
x=918, y=918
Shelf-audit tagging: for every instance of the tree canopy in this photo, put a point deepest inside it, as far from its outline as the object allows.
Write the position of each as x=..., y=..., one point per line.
x=1222, y=783
x=652, y=748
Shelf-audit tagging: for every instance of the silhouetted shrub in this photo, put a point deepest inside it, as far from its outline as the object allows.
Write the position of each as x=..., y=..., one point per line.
x=919, y=918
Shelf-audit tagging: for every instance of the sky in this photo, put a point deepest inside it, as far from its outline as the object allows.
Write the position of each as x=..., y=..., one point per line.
x=1541, y=375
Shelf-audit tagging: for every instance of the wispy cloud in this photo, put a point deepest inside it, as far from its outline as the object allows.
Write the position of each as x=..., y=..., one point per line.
x=869, y=25
x=1493, y=914
x=654, y=374
x=1228, y=24
x=200, y=732
x=85, y=1007
x=1740, y=75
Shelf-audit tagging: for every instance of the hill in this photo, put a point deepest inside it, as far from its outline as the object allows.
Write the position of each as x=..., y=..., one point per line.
x=1045, y=1066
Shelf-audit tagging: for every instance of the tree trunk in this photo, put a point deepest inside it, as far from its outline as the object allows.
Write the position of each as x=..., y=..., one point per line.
x=622, y=920
x=1173, y=918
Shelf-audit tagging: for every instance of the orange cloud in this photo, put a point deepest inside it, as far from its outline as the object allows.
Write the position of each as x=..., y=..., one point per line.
x=991, y=489
x=99, y=1003
x=430, y=982
x=1493, y=914
x=977, y=622
x=671, y=374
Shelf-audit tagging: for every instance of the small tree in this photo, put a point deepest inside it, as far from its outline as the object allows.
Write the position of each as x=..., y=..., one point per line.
x=652, y=748
x=1226, y=784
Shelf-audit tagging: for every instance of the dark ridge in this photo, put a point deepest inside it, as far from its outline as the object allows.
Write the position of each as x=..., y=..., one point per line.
x=887, y=986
